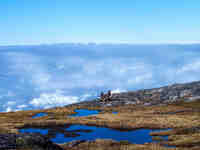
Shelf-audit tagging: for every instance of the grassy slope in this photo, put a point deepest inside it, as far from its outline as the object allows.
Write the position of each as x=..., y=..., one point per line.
x=179, y=116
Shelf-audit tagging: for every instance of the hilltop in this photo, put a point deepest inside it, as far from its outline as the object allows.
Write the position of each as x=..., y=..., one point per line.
x=186, y=92
x=175, y=107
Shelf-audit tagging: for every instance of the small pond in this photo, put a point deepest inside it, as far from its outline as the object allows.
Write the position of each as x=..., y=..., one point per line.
x=83, y=132
x=39, y=115
x=114, y=112
x=84, y=112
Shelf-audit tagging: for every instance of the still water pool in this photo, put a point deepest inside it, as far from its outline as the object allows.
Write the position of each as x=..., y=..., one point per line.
x=39, y=115
x=139, y=136
x=84, y=112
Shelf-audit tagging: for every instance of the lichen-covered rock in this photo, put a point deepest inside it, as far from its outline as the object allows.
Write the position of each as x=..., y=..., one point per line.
x=31, y=141
x=35, y=141
x=7, y=141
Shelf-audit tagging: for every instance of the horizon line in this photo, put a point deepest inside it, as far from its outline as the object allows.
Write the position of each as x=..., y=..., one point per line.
x=105, y=43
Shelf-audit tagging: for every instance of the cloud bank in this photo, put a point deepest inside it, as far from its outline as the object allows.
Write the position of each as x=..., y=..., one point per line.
x=56, y=75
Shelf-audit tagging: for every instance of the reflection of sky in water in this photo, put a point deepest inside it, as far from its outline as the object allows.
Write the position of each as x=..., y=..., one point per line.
x=47, y=76
x=114, y=112
x=39, y=115
x=84, y=112
x=34, y=130
x=139, y=136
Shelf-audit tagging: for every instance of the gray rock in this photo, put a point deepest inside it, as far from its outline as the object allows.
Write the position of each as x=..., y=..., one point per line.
x=167, y=94
x=7, y=141
x=32, y=141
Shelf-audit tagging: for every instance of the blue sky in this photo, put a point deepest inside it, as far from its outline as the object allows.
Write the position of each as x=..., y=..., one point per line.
x=103, y=21
x=52, y=75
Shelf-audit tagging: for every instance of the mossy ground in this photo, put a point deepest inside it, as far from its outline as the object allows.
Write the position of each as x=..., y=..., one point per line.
x=177, y=116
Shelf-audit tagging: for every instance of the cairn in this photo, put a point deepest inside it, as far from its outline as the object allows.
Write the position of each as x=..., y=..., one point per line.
x=106, y=97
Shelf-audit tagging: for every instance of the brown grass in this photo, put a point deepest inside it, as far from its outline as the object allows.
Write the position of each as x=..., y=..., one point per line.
x=178, y=116
x=112, y=145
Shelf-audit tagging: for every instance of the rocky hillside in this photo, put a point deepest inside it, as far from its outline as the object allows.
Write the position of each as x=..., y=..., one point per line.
x=167, y=94
x=156, y=96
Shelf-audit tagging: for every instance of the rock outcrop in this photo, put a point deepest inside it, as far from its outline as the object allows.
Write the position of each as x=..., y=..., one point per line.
x=167, y=94
x=157, y=96
x=7, y=141
x=31, y=141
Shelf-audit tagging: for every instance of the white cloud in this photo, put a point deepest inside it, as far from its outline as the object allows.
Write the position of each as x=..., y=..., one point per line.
x=53, y=99
x=78, y=72
x=22, y=106
x=117, y=91
x=10, y=103
x=39, y=76
x=191, y=67
x=9, y=109
x=85, y=97
x=29, y=68
x=140, y=78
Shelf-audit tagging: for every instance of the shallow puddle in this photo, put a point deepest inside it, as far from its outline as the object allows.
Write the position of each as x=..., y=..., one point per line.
x=84, y=113
x=39, y=115
x=83, y=132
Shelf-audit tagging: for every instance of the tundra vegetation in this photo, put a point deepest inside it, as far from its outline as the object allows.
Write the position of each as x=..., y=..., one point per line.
x=182, y=117
x=176, y=107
